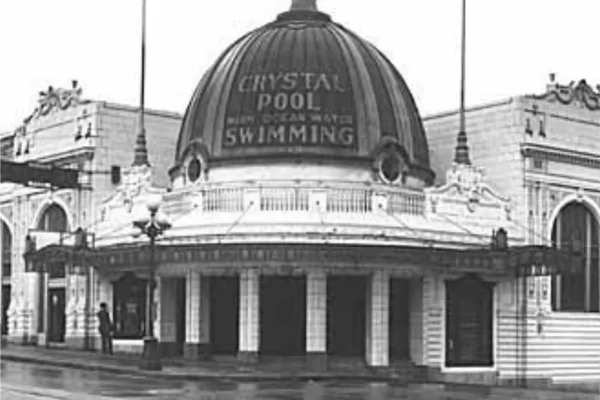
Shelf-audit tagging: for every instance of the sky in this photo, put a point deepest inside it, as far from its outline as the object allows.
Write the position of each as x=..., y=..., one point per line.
x=512, y=46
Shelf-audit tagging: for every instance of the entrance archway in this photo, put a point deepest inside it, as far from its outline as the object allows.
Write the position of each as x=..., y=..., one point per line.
x=282, y=315
x=53, y=219
x=576, y=228
x=469, y=322
x=224, y=302
x=346, y=315
x=399, y=322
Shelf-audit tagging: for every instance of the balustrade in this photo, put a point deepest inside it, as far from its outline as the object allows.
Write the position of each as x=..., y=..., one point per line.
x=295, y=196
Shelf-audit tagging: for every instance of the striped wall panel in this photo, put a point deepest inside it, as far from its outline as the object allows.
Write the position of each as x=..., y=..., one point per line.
x=558, y=346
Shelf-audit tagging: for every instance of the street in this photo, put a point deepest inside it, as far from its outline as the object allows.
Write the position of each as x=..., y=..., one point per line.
x=20, y=381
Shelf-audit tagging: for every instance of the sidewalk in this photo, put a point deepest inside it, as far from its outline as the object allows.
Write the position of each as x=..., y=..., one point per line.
x=181, y=369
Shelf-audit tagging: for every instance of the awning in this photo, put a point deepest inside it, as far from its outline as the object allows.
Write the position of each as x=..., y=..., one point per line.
x=515, y=261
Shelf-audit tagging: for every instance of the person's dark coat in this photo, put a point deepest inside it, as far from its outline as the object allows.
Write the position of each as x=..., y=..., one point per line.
x=105, y=327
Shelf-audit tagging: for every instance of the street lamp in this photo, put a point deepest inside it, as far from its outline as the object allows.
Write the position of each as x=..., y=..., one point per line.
x=153, y=226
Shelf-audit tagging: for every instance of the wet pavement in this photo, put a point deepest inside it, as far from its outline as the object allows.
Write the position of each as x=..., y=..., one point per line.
x=21, y=381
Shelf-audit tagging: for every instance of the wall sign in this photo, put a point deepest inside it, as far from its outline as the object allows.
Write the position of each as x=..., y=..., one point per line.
x=290, y=109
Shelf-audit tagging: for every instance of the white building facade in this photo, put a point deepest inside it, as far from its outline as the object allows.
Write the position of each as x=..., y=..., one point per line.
x=307, y=222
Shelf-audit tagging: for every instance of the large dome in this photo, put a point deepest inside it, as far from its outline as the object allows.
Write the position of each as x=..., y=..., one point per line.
x=303, y=87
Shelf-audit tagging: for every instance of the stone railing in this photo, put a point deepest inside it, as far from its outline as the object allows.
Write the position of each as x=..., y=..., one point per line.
x=286, y=196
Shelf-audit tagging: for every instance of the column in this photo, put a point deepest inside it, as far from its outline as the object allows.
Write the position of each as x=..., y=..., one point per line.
x=76, y=308
x=197, y=341
x=316, y=320
x=41, y=324
x=249, y=317
x=104, y=294
x=377, y=337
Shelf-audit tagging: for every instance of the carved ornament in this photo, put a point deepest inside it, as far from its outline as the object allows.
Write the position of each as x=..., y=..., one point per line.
x=55, y=99
x=579, y=94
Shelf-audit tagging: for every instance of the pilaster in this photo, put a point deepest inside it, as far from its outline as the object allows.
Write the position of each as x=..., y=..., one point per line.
x=197, y=341
x=316, y=320
x=377, y=337
x=249, y=326
x=76, y=310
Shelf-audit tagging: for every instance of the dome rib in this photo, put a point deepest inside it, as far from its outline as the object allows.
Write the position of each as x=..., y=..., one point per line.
x=303, y=86
x=366, y=97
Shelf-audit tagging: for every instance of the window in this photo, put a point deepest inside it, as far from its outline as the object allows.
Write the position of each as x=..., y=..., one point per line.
x=391, y=167
x=129, y=301
x=194, y=169
x=54, y=219
x=577, y=290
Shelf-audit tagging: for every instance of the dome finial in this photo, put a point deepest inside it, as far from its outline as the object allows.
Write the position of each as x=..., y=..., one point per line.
x=304, y=5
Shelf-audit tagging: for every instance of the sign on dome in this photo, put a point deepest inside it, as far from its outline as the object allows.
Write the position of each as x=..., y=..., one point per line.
x=290, y=109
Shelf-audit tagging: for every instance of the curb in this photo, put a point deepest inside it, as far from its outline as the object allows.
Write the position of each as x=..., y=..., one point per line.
x=237, y=376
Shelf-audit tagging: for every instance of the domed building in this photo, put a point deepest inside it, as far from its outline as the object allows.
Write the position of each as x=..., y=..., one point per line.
x=304, y=222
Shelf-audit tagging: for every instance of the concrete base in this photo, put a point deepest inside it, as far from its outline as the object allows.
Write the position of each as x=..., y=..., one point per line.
x=75, y=343
x=316, y=361
x=22, y=340
x=151, y=361
x=197, y=351
x=247, y=357
x=471, y=378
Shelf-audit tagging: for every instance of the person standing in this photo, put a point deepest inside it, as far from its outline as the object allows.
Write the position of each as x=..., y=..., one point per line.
x=105, y=328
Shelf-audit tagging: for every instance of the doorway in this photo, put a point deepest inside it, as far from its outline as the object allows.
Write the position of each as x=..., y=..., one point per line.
x=399, y=319
x=56, y=315
x=282, y=315
x=346, y=315
x=469, y=322
x=224, y=293
x=5, y=305
x=180, y=295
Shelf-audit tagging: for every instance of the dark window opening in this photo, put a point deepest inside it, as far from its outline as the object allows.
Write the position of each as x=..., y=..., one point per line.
x=6, y=251
x=391, y=167
x=129, y=307
x=578, y=288
x=194, y=170
x=54, y=219
x=115, y=174
x=469, y=323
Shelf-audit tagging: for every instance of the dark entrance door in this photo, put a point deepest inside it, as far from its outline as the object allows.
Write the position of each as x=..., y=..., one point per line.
x=5, y=305
x=399, y=319
x=282, y=315
x=180, y=315
x=56, y=315
x=469, y=322
x=224, y=314
x=346, y=315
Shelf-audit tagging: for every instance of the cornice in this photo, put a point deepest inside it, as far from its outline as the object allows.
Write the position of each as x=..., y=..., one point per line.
x=560, y=154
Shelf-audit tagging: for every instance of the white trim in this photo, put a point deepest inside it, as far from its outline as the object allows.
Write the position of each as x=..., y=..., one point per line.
x=495, y=333
x=45, y=205
x=572, y=198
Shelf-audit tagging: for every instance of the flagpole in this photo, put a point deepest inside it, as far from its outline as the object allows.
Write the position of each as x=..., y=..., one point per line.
x=141, y=151
x=462, y=68
x=461, y=154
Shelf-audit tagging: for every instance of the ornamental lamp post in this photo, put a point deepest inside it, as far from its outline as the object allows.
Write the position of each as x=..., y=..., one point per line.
x=153, y=226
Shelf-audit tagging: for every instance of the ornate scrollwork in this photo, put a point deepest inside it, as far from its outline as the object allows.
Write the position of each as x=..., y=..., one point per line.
x=580, y=94
x=55, y=99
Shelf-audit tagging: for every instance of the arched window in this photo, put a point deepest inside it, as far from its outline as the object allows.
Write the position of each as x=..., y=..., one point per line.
x=54, y=219
x=577, y=290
